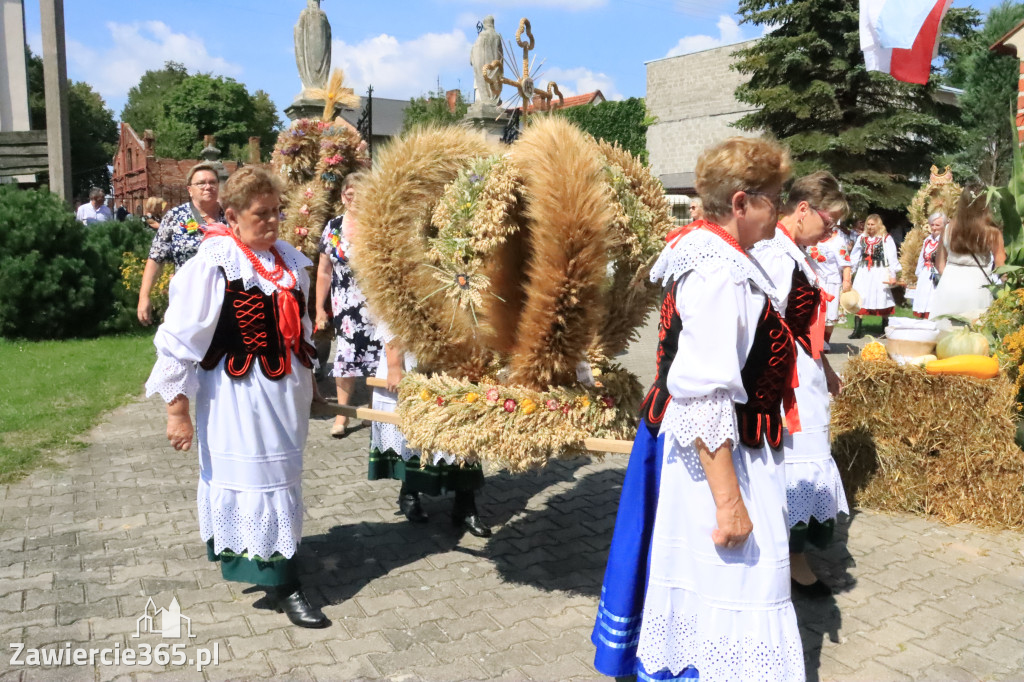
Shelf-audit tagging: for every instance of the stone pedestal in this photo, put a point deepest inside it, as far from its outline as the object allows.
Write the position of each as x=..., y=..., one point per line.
x=490, y=119
x=307, y=108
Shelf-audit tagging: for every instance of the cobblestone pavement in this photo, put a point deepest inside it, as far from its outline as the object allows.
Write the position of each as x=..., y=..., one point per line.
x=83, y=545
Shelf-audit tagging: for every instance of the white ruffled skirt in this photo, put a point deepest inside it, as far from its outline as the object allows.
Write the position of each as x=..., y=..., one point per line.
x=870, y=284
x=251, y=434
x=813, y=485
x=726, y=612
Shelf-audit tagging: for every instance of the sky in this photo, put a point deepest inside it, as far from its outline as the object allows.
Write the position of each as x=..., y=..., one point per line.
x=405, y=48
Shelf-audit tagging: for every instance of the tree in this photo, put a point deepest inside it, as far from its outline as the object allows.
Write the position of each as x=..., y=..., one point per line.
x=989, y=100
x=93, y=132
x=812, y=91
x=144, y=107
x=433, y=108
x=625, y=122
x=181, y=108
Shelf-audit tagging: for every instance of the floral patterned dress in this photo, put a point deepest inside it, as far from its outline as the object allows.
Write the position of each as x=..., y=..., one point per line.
x=358, y=350
x=179, y=235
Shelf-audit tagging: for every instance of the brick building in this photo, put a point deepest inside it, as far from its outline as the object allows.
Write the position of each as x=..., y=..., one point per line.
x=139, y=174
x=693, y=98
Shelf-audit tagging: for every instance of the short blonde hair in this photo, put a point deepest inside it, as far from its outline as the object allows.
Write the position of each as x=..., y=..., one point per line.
x=246, y=184
x=201, y=166
x=737, y=164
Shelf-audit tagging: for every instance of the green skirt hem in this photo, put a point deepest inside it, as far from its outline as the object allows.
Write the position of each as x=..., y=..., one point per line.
x=428, y=480
x=276, y=571
x=814, y=532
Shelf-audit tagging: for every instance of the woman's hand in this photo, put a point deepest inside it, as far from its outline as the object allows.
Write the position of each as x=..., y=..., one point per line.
x=180, y=431
x=322, y=319
x=847, y=286
x=734, y=525
x=832, y=381
x=145, y=311
x=395, y=375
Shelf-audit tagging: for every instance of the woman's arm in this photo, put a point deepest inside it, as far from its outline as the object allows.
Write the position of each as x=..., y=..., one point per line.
x=847, y=281
x=940, y=258
x=998, y=247
x=179, y=424
x=734, y=525
x=396, y=365
x=149, y=277
x=324, y=272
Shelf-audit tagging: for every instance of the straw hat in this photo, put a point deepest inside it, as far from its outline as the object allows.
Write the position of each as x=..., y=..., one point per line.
x=850, y=301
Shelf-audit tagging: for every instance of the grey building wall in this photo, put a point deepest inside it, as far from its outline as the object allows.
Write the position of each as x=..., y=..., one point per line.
x=693, y=97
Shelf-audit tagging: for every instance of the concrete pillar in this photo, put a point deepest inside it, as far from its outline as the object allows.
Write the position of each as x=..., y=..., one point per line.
x=55, y=78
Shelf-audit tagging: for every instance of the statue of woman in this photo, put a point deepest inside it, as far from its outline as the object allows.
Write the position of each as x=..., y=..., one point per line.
x=486, y=49
x=313, y=46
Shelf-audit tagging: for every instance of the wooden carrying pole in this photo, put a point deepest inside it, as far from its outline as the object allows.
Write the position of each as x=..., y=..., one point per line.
x=619, y=447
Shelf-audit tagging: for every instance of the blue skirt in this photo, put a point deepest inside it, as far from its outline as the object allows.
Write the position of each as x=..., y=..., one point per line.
x=620, y=613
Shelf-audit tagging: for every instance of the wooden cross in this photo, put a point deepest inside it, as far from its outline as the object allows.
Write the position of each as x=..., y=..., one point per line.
x=494, y=74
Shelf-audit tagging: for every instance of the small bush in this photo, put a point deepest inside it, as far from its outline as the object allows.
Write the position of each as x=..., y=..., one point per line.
x=58, y=278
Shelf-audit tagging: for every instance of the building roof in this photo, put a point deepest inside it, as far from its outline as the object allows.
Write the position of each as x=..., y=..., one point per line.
x=679, y=182
x=709, y=49
x=595, y=97
x=1009, y=43
x=388, y=115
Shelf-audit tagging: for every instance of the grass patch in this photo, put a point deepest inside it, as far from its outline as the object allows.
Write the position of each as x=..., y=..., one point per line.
x=873, y=323
x=52, y=391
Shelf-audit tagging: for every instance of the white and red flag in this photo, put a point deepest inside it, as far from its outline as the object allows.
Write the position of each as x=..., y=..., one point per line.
x=900, y=37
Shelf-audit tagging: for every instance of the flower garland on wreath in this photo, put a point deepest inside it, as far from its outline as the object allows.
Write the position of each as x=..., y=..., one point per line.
x=313, y=157
x=486, y=418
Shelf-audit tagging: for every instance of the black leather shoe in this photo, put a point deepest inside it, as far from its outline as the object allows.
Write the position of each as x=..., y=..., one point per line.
x=465, y=516
x=473, y=524
x=301, y=612
x=816, y=590
x=409, y=504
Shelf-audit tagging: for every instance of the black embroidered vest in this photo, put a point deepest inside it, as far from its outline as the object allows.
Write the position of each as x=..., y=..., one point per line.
x=766, y=377
x=247, y=330
x=874, y=256
x=804, y=299
x=652, y=410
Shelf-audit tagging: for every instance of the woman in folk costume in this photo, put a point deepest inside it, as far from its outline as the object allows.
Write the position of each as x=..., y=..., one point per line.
x=814, y=490
x=831, y=258
x=927, y=271
x=697, y=584
x=876, y=263
x=391, y=457
x=235, y=341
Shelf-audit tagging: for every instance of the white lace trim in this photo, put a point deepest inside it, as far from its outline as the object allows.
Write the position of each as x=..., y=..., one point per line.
x=259, y=523
x=712, y=418
x=706, y=252
x=781, y=244
x=172, y=377
x=814, y=488
x=748, y=644
x=224, y=253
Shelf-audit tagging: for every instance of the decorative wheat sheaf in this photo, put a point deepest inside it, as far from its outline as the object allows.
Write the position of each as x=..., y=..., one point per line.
x=511, y=268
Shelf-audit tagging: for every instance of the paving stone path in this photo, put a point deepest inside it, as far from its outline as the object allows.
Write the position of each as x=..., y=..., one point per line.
x=85, y=544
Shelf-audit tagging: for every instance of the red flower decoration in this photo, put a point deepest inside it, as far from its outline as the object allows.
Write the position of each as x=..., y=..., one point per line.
x=510, y=405
x=608, y=401
x=440, y=400
x=551, y=405
x=492, y=395
x=565, y=408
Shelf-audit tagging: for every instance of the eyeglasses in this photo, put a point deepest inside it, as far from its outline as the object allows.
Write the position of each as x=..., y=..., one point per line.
x=774, y=199
x=206, y=183
x=830, y=222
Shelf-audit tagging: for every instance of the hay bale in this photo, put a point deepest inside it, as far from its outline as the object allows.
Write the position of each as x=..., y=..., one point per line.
x=941, y=446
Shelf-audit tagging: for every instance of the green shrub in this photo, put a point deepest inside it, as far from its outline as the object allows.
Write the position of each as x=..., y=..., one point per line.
x=58, y=278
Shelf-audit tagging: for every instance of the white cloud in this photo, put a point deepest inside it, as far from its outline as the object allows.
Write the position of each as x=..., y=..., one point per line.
x=405, y=69
x=548, y=4
x=729, y=32
x=578, y=81
x=113, y=67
